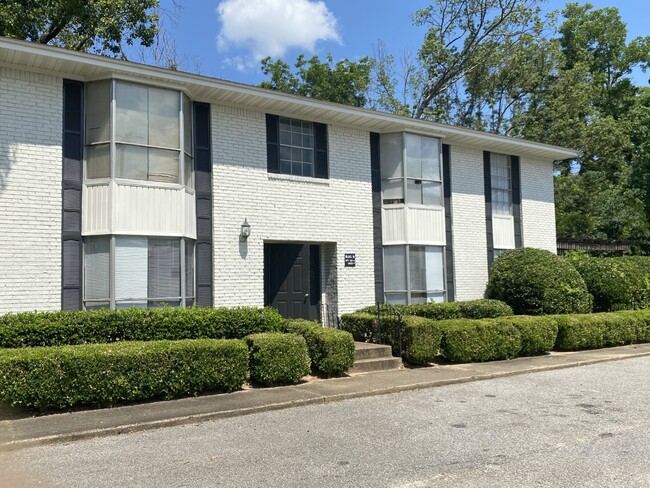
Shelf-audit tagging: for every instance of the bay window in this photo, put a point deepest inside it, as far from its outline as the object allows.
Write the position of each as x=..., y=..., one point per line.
x=410, y=169
x=138, y=132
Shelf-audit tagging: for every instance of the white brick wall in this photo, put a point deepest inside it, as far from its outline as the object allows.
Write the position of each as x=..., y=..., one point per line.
x=537, y=204
x=30, y=191
x=468, y=223
x=285, y=208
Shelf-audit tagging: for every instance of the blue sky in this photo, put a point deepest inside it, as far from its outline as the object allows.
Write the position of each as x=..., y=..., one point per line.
x=226, y=38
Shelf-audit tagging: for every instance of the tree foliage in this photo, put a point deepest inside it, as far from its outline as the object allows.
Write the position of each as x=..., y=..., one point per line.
x=345, y=81
x=98, y=26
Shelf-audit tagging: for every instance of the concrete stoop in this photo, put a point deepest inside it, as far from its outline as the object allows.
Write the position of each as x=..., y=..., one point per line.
x=373, y=357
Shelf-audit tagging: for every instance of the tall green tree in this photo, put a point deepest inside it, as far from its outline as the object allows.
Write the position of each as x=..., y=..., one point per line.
x=462, y=37
x=592, y=105
x=98, y=26
x=345, y=81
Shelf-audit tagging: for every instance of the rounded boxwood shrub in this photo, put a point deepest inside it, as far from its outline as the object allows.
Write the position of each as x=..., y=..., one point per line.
x=278, y=359
x=615, y=283
x=537, y=282
x=331, y=350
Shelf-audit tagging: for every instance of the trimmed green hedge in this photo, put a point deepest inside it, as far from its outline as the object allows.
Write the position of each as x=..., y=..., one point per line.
x=278, y=359
x=621, y=283
x=420, y=340
x=641, y=319
x=46, y=378
x=469, y=309
x=592, y=331
x=136, y=324
x=537, y=282
x=331, y=350
x=362, y=326
x=484, y=309
x=538, y=333
x=465, y=340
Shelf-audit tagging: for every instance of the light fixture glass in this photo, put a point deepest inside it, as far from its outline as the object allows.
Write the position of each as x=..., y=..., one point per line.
x=245, y=231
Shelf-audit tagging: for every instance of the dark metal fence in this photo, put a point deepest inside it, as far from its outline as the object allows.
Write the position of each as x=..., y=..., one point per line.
x=594, y=246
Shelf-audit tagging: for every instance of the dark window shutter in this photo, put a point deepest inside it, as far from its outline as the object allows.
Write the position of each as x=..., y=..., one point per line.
x=272, y=143
x=516, y=198
x=449, y=244
x=203, y=177
x=71, y=243
x=320, y=150
x=487, y=179
x=376, y=216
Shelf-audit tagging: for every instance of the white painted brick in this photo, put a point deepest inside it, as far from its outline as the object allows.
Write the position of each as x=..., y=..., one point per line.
x=337, y=211
x=538, y=204
x=468, y=223
x=30, y=191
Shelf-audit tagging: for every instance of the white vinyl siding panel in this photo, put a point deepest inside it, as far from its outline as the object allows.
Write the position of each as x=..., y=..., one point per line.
x=138, y=210
x=503, y=231
x=415, y=225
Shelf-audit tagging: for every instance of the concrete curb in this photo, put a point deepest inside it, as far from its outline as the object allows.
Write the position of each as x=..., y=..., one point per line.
x=74, y=426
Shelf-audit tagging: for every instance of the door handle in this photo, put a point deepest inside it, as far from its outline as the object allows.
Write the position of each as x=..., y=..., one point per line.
x=306, y=297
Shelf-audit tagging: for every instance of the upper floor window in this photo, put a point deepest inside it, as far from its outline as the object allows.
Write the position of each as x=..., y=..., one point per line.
x=296, y=147
x=146, y=134
x=410, y=169
x=501, y=184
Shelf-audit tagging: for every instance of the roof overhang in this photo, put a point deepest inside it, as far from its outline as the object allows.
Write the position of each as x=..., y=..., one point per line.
x=82, y=66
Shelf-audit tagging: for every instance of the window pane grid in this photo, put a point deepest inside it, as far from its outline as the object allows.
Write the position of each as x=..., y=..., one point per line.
x=501, y=184
x=296, y=147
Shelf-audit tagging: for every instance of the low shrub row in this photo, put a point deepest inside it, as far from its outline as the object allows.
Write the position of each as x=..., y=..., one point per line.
x=56, y=377
x=467, y=340
x=469, y=309
x=331, y=350
x=104, y=326
x=46, y=378
x=592, y=331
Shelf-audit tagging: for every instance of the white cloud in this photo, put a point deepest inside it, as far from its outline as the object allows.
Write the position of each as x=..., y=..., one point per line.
x=270, y=27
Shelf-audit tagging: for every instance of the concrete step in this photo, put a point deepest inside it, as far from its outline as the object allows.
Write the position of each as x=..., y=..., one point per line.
x=363, y=350
x=373, y=357
x=375, y=364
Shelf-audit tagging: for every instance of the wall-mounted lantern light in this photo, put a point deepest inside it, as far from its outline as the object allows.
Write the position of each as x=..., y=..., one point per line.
x=245, y=231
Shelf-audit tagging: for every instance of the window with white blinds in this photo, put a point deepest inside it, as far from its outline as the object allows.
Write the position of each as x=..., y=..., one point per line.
x=414, y=274
x=97, y=272
x=148, y=272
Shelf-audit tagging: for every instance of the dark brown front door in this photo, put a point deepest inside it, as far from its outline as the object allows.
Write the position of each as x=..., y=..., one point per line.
x=291, y=278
